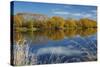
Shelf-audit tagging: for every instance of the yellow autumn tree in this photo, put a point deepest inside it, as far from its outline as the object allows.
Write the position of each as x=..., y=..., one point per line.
x=56, y=22
x=87, y=23
x=70, y=23
x=18, y=20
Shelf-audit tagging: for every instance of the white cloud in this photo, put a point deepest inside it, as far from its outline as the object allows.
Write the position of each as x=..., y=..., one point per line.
x=60, y=12
x=56, y=9
x=77, y=14
x=72, y=14
x=94, y=11
x=87, y=15
x=67, y=6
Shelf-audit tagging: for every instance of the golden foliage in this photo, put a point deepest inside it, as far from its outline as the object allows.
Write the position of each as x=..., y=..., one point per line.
x=54, y=22
x=70, y=23
x=85, y=22
x=18, y=20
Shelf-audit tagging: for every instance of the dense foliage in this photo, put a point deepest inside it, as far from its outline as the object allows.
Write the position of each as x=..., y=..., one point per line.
x=54, y=22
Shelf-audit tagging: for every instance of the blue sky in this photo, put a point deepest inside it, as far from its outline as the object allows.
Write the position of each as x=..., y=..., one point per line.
x=63, y=10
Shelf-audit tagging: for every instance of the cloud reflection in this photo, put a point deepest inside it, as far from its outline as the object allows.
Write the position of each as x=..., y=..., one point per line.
x=59, y=51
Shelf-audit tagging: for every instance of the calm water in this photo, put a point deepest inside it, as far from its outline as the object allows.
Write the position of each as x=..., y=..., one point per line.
x=47, y=47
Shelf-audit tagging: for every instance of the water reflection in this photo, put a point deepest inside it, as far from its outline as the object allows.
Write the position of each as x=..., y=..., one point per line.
x=55, y=34
x=55, y=46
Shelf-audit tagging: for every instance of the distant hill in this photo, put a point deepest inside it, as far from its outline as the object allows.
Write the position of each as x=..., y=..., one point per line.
x=30, y=16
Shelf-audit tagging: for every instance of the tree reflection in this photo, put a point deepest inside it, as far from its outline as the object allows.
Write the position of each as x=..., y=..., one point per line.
x=70, y=32
x=54, y=34
x=87, y=32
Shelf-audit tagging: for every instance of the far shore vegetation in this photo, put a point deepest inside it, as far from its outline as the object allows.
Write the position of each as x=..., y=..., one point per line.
x=52, y=23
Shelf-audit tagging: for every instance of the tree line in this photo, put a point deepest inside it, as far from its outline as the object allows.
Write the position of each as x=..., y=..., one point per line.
x=54, y=22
